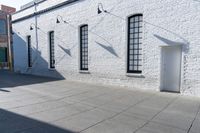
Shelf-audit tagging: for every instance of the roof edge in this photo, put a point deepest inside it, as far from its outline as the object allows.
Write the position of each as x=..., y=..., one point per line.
x=29, y=5
x=46, y=10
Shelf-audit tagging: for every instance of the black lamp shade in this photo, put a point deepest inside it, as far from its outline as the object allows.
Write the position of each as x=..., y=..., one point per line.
x=31, y=28
x=99, y=11
x=57, y=21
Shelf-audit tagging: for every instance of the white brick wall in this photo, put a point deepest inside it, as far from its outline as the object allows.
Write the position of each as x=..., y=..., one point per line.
x=175, y=20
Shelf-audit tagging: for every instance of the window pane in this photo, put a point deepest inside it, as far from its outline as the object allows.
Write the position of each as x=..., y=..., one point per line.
x=140, y=18
x=51, y=49
x=136, y=35
x=131, y=68
x=84, y=47
x=131, y=52
x=131, y=25
x=136, y=18
x=130, y=57
x=29, y=51
x=134, y=42
x=136, y=24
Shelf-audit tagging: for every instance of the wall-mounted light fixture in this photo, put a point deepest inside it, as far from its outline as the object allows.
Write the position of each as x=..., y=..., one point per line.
x=101, y=9
x=32, y=26
x=59, y=19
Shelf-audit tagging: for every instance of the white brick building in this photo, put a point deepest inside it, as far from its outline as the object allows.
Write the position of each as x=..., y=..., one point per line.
x=166, y=49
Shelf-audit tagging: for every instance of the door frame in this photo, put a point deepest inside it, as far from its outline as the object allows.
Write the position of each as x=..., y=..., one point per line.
x=161, y=69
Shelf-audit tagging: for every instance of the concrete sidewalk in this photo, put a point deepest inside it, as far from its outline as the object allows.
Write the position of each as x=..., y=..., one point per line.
x=30, y=104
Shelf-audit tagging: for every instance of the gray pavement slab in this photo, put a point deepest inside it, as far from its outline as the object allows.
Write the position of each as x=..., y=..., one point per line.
x=36, y=108
x=159, y=128
x=45, y=129
x=11, y=122
x=60, y=113
x=196, y=126
x=174, y=120
x=84, y=120
x=142, y=112
x=31, y=104
x=115, y=106
x=118, y=124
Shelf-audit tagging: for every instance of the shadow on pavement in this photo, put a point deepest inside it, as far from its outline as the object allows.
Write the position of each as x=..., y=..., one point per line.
x=14, y=123
x=10, y=79
x=4, y=90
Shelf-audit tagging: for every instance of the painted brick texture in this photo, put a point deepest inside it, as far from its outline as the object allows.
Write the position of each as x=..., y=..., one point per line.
x=175, y=21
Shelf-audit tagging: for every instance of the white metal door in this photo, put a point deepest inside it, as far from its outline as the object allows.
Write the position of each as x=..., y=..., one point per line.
x=171, y=69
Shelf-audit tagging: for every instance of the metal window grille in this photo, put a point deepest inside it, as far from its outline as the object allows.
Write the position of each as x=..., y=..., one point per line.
x=29, y=51
x=134, y=62
x=51, y=49
x=84, y=47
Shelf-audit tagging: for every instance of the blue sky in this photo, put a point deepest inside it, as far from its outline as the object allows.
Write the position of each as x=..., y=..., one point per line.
x=14, y=3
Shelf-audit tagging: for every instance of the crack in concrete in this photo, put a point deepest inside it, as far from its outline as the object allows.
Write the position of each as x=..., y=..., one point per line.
x=174, y=99
x=198, y=111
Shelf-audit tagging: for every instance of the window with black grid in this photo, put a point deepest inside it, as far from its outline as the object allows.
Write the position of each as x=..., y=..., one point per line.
x=29, y=51
x=51, y=49
x=135, y=44
x=84, y=47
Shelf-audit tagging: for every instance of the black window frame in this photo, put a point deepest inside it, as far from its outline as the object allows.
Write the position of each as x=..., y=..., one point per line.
x=84, y=48
x=51, y=49
x=29, y=47
x=135, y=35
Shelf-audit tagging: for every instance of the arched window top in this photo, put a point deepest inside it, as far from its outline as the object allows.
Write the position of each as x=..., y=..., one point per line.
x=135, y=15
x=136, y=18
x=139, y=14
x=84, y=26
x=3, y=28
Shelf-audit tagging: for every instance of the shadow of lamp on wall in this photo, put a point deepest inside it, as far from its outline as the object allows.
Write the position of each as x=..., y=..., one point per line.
x=40, y=64
x=185, y=45
x=67, y=51
x=108, y=48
